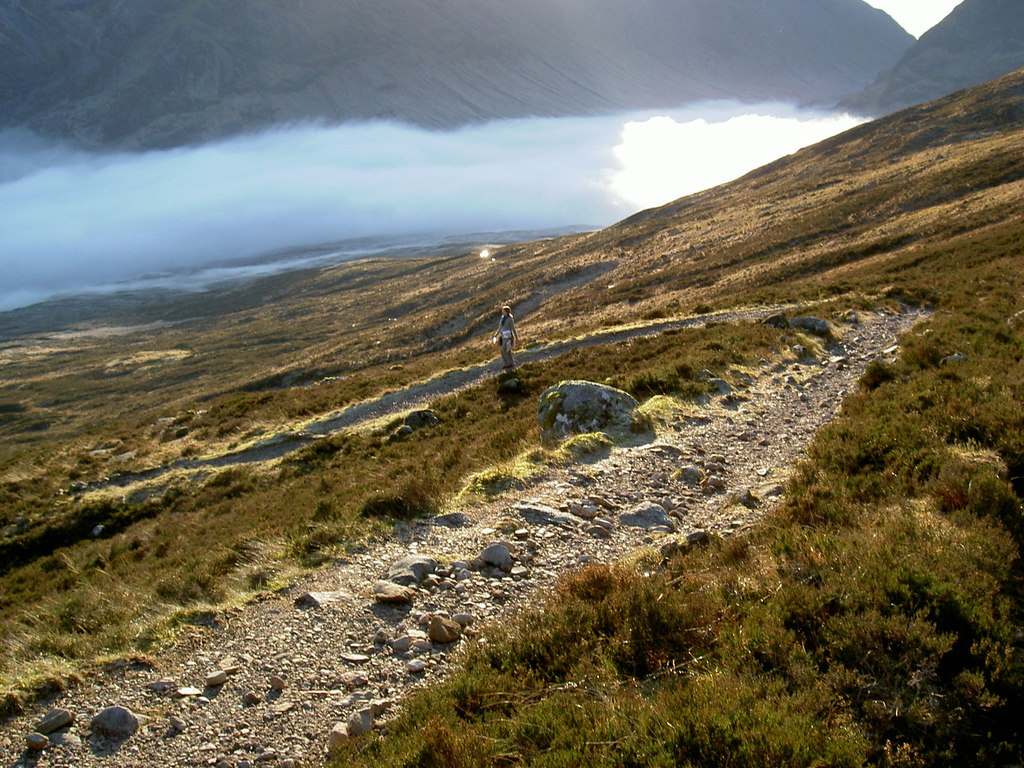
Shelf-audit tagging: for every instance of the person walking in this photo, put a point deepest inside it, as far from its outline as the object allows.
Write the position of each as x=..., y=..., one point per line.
x=507, y=336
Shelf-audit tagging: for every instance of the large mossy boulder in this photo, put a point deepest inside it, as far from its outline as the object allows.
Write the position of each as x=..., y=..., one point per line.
x=581, y=407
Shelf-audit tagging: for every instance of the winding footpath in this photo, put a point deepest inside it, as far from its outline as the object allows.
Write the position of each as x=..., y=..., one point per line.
x=275, y=682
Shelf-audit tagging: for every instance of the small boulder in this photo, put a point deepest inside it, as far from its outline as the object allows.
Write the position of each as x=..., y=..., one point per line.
x=648, y=515
x=360, y=722
x=422, y=418
x=813, y=324
x=37, y=741
x=444, y=630
x=580, y=407
x=390, y=592
x=115, y=723
x=338, y=737
x=412, y=570
x=499, y=555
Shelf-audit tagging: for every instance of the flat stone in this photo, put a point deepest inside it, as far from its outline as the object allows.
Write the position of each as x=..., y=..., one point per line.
x=320, y=599
x=391, y=592
x=216, y=679
x=189, y=691
x=54, y=720
x=412, y=570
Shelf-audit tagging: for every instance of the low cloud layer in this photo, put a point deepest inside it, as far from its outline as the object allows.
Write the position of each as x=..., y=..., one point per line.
x=71, y=220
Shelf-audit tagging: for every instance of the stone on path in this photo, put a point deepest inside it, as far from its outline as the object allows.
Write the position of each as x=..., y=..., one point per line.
x=37, y=741
x=444, y=630
x=360, y=722
x=54, y=720
x=320, y=599
x=390, y=592
x=499, y=555
x=338, y=736
x=216, y=679
x=648, y=515
x=412, y=570
x=115, y=723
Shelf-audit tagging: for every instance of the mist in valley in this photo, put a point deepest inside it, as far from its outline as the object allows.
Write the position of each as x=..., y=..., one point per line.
x=74, y=221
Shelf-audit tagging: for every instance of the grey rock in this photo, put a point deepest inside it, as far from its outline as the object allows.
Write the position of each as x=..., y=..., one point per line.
x=115, y=723
x=499, y=555
x=813, y=324
x=360, y=722
x=648, y=516
x=421, y=419
x=541, y=514
x=412, y=570
x=580, y=407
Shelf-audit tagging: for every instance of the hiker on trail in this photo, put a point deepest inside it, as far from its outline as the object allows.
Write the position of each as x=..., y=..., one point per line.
x=507, y=336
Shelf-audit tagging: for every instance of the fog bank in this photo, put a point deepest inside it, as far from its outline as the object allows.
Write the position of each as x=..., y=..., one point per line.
x=72, y=220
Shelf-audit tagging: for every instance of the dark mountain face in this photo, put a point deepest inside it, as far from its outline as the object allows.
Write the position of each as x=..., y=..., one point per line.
x=166, y=72
x=979, y=41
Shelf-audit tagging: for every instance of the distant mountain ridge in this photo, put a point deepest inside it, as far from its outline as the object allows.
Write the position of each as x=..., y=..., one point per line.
x=979, y=41
x=156, y=73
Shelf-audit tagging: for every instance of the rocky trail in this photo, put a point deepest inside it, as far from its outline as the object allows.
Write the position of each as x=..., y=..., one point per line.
x=275, y=682
x=418, y=395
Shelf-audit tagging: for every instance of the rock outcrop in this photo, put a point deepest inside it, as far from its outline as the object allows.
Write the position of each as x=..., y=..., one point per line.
x=581, y=407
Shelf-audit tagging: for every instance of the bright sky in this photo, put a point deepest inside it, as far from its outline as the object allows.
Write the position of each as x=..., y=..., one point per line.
x=916, y=16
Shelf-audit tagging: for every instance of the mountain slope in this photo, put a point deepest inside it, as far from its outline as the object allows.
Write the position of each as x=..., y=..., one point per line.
x=979, y=41
x=161, y=72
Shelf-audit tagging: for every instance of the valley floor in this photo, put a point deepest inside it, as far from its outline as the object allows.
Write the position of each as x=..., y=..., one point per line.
x=306, y=658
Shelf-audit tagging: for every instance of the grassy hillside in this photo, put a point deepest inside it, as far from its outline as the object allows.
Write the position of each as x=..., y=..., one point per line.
x=875, y=619
x=913, y=497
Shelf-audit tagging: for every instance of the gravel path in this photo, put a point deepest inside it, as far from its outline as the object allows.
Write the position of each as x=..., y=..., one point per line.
x=297, y=663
